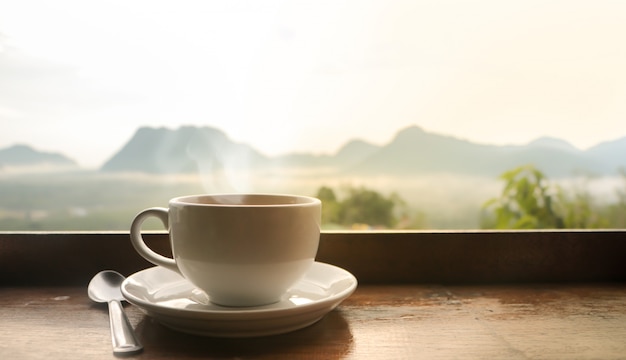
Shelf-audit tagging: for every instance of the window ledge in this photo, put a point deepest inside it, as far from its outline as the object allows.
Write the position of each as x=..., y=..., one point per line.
x=446, y=257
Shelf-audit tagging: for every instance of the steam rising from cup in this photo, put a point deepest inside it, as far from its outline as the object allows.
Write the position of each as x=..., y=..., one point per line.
x=223, y=166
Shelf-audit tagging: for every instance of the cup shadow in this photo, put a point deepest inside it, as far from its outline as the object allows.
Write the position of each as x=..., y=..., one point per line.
x=332, y=334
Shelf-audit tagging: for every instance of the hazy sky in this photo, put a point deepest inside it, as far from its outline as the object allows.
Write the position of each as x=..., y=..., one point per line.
x=80, y=76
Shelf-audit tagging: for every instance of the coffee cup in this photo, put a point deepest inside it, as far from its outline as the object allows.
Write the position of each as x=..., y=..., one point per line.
x=241, y=249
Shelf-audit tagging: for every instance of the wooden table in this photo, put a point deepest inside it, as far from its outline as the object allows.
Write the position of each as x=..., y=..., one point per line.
x=421, y=295
x=540, y=321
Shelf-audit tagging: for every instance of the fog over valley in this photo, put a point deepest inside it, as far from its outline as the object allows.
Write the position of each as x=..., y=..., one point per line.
x=443, y=181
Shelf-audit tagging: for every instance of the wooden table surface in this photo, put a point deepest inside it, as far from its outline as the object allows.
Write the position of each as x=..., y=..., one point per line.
x=530, y=321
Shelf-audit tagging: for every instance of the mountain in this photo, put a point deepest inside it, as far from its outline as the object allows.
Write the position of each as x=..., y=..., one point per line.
x=613, y=153
x=25, y=156
x=355, y=152
x=350, y=154
x=548, y=142
x=412, y=151
x=415, y=151
x=187, y=149
x=554, y=162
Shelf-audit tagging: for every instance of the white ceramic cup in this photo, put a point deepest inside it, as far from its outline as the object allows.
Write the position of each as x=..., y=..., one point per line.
x=241, y=249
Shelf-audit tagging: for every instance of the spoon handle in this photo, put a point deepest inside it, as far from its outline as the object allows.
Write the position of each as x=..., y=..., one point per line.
x=122, y=334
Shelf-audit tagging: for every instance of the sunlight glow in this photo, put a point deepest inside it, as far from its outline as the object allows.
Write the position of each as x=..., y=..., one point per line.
x=310, y=75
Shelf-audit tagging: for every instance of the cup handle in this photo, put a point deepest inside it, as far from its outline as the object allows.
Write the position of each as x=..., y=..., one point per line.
x=139, y=243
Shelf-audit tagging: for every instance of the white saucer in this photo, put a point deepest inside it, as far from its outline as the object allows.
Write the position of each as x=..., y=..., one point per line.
x=174, y=302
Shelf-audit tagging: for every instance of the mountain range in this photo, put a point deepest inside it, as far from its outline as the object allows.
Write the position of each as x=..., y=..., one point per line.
x=412, y=151
x=23, y=156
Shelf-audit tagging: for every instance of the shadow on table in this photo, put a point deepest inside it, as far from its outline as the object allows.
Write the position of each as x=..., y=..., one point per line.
x=329, y=338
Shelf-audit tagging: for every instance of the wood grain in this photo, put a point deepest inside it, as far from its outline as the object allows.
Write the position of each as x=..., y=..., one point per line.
x=434, y=295
x=543, y=321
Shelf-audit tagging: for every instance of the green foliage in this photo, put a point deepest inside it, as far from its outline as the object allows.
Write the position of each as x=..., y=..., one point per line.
x=616, y=213
x=330, y=205
x=361, y=206
x=579, y=211
x=367, y=207
x=526, y=201
x=529, y=201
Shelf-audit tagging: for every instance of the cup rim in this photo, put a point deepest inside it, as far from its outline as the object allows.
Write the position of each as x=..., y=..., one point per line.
x=231, y=200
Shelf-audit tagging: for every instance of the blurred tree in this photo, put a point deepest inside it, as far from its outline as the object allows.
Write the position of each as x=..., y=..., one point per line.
x=526, y=202
x=361, y=206
x=616, y=213
x=579, y=211
x=330, y=205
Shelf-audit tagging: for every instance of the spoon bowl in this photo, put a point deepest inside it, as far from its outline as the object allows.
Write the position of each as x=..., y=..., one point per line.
x=105, y=288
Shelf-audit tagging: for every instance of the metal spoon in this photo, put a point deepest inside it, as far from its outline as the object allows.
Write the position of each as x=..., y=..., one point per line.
x=105, y=288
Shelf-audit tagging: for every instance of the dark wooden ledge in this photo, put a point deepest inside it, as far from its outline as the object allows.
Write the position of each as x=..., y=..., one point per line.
x=476, y=295
x=450, y=257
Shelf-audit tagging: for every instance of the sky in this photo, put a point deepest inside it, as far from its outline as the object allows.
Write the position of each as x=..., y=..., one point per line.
x=79, y=77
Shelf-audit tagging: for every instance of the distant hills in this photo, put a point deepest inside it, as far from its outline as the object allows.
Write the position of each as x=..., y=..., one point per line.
x=161, y=150
x=415, y=151
x=412, y=151
x=25, y=156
